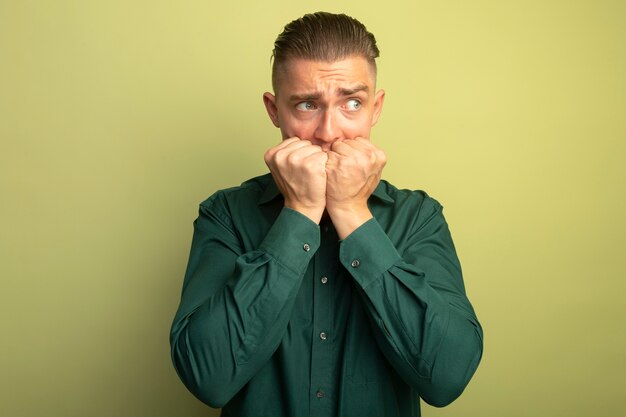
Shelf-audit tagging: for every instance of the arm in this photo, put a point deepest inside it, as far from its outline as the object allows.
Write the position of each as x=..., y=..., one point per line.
x=423, y=322
x=414, y=295
x=235, y=305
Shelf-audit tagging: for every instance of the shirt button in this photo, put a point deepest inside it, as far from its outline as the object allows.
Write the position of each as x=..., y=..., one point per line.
x=306, y=247
x=320, y=394
x=324, y=280
x=323, y=336
x=355, y=263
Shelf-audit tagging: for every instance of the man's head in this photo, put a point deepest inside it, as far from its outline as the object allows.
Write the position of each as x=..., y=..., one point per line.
x=324, y=80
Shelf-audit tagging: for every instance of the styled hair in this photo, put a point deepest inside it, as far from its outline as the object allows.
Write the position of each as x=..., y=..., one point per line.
x=323, y=37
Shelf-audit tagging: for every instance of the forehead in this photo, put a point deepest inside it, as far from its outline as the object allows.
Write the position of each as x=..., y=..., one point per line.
x=300, y=75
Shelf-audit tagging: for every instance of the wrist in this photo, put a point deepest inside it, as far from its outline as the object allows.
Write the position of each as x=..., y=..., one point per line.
x=313, y=212
x=348, y=217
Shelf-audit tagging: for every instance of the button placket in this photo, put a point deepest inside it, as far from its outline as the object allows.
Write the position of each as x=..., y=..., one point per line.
x=322, y=354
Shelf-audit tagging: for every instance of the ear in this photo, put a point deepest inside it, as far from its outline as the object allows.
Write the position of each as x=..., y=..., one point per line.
x=379, y=99
x=270, y=105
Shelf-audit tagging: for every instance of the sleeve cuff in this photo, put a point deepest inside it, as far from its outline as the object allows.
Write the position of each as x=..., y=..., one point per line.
x=292, y=240
x=367, y=253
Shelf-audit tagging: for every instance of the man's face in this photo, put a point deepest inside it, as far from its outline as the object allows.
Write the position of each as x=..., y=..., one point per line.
x=324, y=102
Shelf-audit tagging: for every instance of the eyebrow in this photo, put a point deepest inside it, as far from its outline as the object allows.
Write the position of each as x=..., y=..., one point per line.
x=341, y=91
x=353, y=90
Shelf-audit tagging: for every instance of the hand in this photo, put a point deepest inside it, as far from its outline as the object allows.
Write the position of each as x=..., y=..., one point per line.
x=299, y=170
x=353, y=171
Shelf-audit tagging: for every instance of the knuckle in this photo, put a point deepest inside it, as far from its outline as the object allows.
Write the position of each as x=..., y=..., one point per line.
x=280, y=154
x=291, y=159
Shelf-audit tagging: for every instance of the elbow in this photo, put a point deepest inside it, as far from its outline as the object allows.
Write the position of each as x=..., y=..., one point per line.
x=443, y=393
x=456, y=363
x=216, y=392
x=211, y=394
x=216, y=397
x=445, y=387
x=209, y=388
x=202, y=377
x=440, y=401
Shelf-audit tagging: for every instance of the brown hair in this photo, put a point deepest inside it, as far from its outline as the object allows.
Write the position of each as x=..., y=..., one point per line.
x=325, y=37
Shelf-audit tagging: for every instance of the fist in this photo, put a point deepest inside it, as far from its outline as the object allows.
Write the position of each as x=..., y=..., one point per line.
x=299, y=170
x=353, y=171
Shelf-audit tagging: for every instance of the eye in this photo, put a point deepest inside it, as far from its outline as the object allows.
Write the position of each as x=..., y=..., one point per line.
x=353, y=104
x=305, y=106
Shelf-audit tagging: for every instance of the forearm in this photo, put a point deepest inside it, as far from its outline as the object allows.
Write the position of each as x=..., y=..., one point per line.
x=423, y=322
x=433, y=345
x=221, y=345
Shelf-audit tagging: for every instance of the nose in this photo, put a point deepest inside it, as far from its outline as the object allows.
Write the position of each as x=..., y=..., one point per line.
x=327, y=131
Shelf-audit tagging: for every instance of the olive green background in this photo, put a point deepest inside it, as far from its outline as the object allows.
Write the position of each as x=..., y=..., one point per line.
x=118, y=117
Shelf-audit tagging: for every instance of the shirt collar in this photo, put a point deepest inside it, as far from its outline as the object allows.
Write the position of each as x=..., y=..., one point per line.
x=271, y=192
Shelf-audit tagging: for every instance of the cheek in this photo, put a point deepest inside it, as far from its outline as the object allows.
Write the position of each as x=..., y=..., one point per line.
x=293, y=127
x=357, y=127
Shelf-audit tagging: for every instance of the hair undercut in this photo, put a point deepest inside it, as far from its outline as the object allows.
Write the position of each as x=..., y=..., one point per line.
x=323, y=37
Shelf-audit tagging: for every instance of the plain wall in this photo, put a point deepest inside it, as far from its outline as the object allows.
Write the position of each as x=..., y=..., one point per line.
x=118, y=117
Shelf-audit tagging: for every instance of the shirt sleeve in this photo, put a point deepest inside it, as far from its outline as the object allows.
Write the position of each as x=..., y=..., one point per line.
x=235, y=305
x=423, y=321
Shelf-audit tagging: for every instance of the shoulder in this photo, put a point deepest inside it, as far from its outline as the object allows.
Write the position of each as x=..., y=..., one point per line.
x=405, y=209
x=249, y=191
x=408, y=214
x=236, y=202
x=417, y=199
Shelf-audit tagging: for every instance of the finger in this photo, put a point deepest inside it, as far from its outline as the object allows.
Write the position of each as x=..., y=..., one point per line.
x=320, y=158
x=341, y=147
x=291, y=143
x=299, y=153
x=361, y=139
x=286, y=147
x=363, y=152
x=361, y=143
x=352, y=148
x=286, y=142
x=300, y=143
x=381, y=157
x=377, y=155
x=295, y=141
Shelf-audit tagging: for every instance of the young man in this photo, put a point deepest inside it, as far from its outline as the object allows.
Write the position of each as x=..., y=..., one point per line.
x=318, y=289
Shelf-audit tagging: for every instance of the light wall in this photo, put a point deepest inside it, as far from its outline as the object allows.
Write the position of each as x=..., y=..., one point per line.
x=118, y=117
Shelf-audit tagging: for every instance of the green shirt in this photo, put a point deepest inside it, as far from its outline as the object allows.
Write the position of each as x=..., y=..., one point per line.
x=280, y=318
